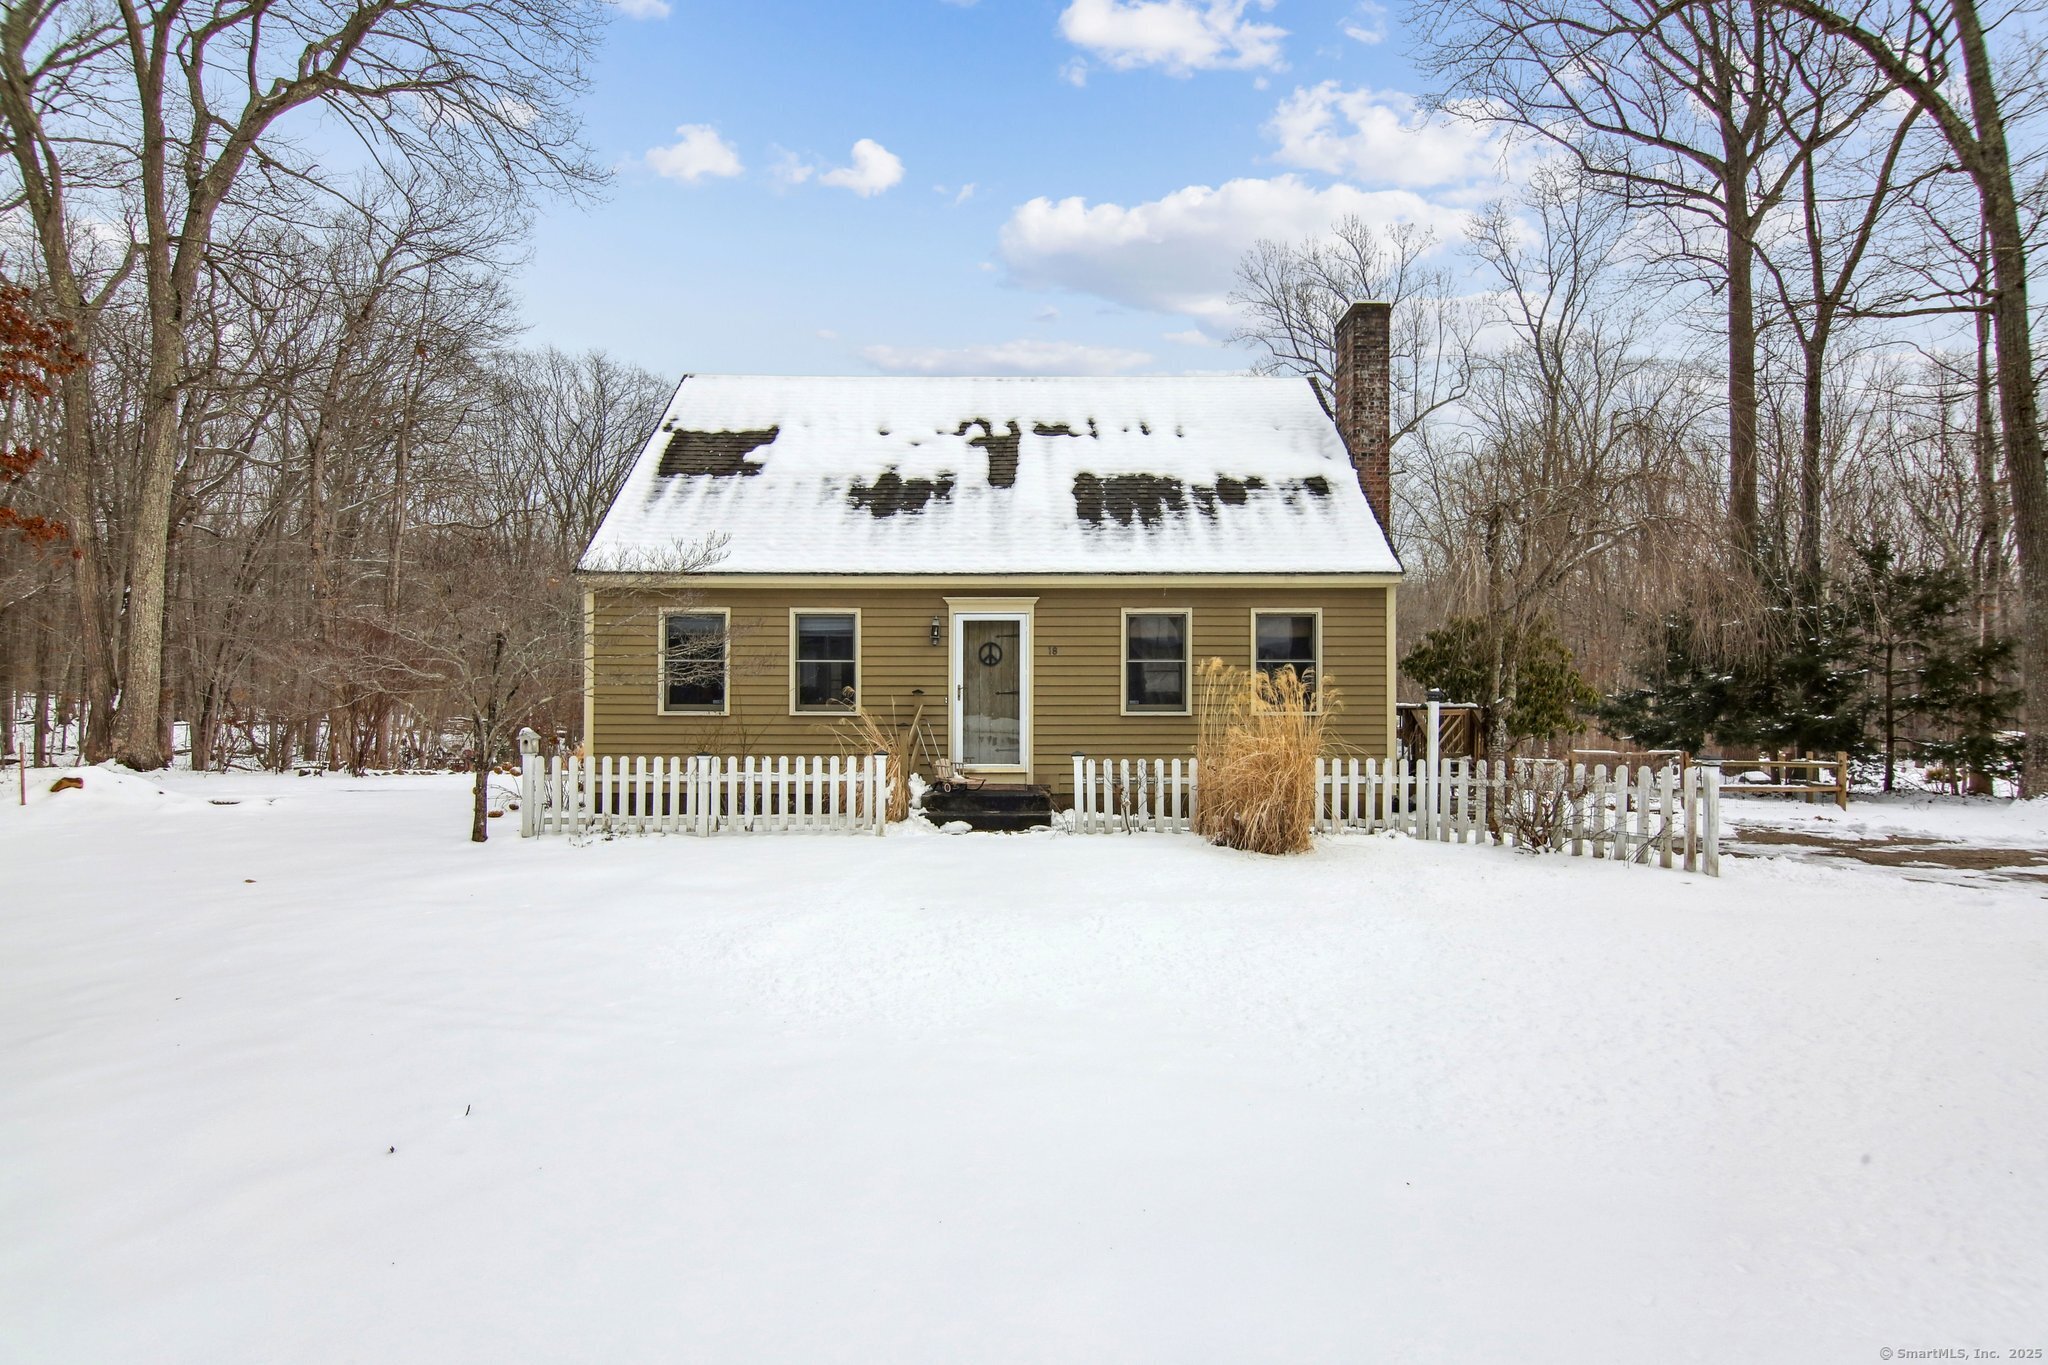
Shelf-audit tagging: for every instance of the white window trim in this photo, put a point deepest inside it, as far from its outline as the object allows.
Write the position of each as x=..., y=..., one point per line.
x=661, y=706
x=859, y=673
x=1252, y=640
x=1025, y=611
x=1123, y=661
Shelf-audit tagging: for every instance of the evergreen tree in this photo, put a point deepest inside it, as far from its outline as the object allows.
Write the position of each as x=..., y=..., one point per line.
x=1546, y=695
x=1808, y=690
x=1802, y=692
x=1928, y=665
x=1682, y=700
x=1889, y=648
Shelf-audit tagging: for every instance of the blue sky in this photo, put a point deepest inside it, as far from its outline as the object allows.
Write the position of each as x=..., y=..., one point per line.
x=1005, y=186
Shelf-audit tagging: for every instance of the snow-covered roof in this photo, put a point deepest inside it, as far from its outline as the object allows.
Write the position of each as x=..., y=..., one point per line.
x=995, y=476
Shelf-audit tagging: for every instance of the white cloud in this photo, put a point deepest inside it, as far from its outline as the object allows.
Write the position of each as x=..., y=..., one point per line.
x=1193, y=336
x=697, y=153
x=966, y=193
x=1367, y=23
x=642, y=9
x=1046, y=314
x=1075, y=73
x=1177, y=254
x=1380, y=135
x=875, y=168
x=1178, y=36
x=1007, y=357
x=791, y=169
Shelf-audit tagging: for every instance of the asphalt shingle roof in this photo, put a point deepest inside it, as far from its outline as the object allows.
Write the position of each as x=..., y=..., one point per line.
x=994, y=476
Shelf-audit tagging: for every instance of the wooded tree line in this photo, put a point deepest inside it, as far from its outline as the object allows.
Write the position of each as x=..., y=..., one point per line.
x=1735, y=437
x=278, y=471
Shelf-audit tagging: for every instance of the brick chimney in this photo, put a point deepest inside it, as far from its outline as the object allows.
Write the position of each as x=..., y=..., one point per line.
x=1363, y=403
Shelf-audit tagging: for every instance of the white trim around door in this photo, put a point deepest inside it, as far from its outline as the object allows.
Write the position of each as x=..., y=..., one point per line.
x=1020, y=611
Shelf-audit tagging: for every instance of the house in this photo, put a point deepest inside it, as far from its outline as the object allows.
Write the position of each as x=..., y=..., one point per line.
x=1030, y=567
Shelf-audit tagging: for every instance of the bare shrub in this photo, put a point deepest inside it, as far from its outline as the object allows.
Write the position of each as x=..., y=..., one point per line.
x=1257, y=738
x=862, y=734
x=1536, y=806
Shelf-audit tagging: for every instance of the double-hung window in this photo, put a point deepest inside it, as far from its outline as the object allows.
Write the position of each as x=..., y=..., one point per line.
x=694, y=657
x=825, y=659
x=1155, y=662
x=1288, y=639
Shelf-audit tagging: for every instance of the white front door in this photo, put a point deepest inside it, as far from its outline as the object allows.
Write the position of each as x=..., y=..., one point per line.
x=991, y=690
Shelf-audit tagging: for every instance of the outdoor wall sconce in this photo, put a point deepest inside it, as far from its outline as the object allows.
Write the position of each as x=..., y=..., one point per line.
x=936, y=630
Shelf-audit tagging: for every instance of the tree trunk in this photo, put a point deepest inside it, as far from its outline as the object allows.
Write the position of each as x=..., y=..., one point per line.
x=1891, y=715
x=1500, y=692
x=2019, y=412
x=39, y=680
x=480, y=808
x=138, y=734
x=1989, y=560
x=99, y=677
x=1811, y=570
x=39, y=735
x=1743, y=514
x=205, y=725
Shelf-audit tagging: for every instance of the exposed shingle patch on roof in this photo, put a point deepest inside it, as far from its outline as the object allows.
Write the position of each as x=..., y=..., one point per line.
x=1150, y=499
x=892, y=493
x=721, y=454
x=1229, y=492
x=1127, y=498
x=1001, y=448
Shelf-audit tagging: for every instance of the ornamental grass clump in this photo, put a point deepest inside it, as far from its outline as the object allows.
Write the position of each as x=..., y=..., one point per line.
x=861, y=734
x=1256, y=741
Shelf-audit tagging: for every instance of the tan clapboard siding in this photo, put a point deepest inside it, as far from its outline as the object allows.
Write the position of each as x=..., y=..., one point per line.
x=1076, y=691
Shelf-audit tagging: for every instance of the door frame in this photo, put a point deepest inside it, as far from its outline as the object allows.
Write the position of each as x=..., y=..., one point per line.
x=1018, y=609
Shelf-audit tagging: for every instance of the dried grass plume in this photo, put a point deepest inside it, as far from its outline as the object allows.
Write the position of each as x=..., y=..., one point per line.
x=1256, y=743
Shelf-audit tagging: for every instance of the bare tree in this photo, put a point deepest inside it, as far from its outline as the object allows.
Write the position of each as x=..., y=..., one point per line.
x=1683, y=110
x=1850, y=182
x=1292, y=294
x=173, y=106
x=1573, y=445
x=572, y=426
x=1932, y=53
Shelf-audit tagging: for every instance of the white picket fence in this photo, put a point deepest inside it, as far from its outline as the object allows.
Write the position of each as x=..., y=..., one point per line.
x=1668, y=815
x=702, y=794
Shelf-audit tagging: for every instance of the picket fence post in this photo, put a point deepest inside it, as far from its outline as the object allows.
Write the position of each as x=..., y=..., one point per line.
x=1665, y=777
x=1711, y=807
x=529, y=751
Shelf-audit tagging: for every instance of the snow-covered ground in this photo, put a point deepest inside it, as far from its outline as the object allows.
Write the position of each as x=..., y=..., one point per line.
x=309, y=1078
x=1921, y=837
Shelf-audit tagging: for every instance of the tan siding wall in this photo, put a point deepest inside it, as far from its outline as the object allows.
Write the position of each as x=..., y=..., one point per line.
x=1076, y=689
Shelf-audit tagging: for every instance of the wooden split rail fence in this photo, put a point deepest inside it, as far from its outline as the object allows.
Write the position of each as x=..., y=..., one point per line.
x=1668, y=815
x=702, y=794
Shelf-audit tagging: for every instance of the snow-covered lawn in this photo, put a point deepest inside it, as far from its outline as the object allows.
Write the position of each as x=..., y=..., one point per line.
x=309, y=1078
